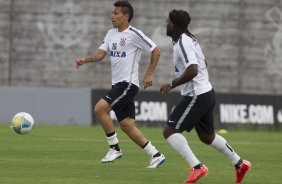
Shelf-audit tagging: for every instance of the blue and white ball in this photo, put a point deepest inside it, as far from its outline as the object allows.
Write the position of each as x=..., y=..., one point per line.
x=22, y=123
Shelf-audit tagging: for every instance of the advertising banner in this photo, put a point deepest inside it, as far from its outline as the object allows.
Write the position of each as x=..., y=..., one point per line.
x=153, y=109
x=256, y=110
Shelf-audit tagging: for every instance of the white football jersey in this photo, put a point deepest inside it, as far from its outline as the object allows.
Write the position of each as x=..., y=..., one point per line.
x=125, y=53
x=187, y=51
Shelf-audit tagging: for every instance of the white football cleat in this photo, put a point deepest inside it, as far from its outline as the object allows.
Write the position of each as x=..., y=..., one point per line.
x=156, y=161
x=111, y=156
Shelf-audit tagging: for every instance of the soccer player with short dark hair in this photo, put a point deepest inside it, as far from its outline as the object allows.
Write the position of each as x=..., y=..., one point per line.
x=124, y=44
x=196, y=108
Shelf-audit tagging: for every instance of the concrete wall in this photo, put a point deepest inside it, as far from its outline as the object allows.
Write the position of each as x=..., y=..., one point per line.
x=40, y=39
x=47, y=105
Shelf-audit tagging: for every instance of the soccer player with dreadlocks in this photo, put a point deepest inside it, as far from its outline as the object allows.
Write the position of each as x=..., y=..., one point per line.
x=196, y=108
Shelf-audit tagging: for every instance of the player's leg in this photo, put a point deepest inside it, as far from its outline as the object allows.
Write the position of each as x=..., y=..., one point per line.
x=241, y=166
x=180, y=144
x=102, y=109
x=114, y=100
x=183, y=118
x=205, y=131
x=128, y=126
x=221, y=145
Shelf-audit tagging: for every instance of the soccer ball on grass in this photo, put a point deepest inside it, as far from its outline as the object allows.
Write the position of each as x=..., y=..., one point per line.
x=22, y=123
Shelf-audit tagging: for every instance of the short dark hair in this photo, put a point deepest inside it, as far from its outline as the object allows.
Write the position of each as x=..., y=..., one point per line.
x=126, y=8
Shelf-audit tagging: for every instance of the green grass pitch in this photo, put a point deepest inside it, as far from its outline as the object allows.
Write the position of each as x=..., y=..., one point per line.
x=71, y=155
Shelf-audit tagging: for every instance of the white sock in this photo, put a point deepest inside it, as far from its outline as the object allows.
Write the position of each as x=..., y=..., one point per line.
x=180, y=144
x=220, y=144
x=113, y=139
x=151, y=149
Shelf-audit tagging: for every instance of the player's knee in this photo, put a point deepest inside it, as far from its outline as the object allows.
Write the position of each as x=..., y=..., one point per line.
x=168, y=131
x=99, y=110
x=124, y=127
x=165, y=133
x=127, y=125
x=207, y=138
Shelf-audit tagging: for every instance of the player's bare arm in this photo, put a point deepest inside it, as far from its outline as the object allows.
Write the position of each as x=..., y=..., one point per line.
x=188, y=75
x=98, y=56
x=148, y=78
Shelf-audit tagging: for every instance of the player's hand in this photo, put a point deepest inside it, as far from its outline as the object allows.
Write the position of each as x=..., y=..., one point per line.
x=148, y=81
x=165, y=89
x=79, y=62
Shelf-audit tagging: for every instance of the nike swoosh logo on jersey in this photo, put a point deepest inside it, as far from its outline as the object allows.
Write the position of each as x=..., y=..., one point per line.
x=170, y=121
x=108, y=97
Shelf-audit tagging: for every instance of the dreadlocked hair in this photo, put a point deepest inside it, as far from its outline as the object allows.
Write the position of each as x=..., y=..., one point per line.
x=180, y=19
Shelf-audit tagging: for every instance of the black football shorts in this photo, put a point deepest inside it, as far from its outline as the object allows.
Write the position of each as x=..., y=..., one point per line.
x=194, y=111
x=121, y=99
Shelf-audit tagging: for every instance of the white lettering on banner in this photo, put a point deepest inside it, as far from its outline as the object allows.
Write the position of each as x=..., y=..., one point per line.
x=241, y=113
x=261, y=114
x=279, y=116
x=151, y=111
x=148, y=111
x=233, y=113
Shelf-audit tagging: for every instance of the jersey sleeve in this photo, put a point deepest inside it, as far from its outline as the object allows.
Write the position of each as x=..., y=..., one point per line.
x=142, y=41
x=105, y=44
x=187, y=52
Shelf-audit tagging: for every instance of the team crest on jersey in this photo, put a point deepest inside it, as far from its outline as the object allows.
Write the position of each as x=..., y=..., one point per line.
x=122, y=42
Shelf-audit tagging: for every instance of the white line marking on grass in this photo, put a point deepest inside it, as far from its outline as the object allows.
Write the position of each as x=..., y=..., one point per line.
x=100, y=140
